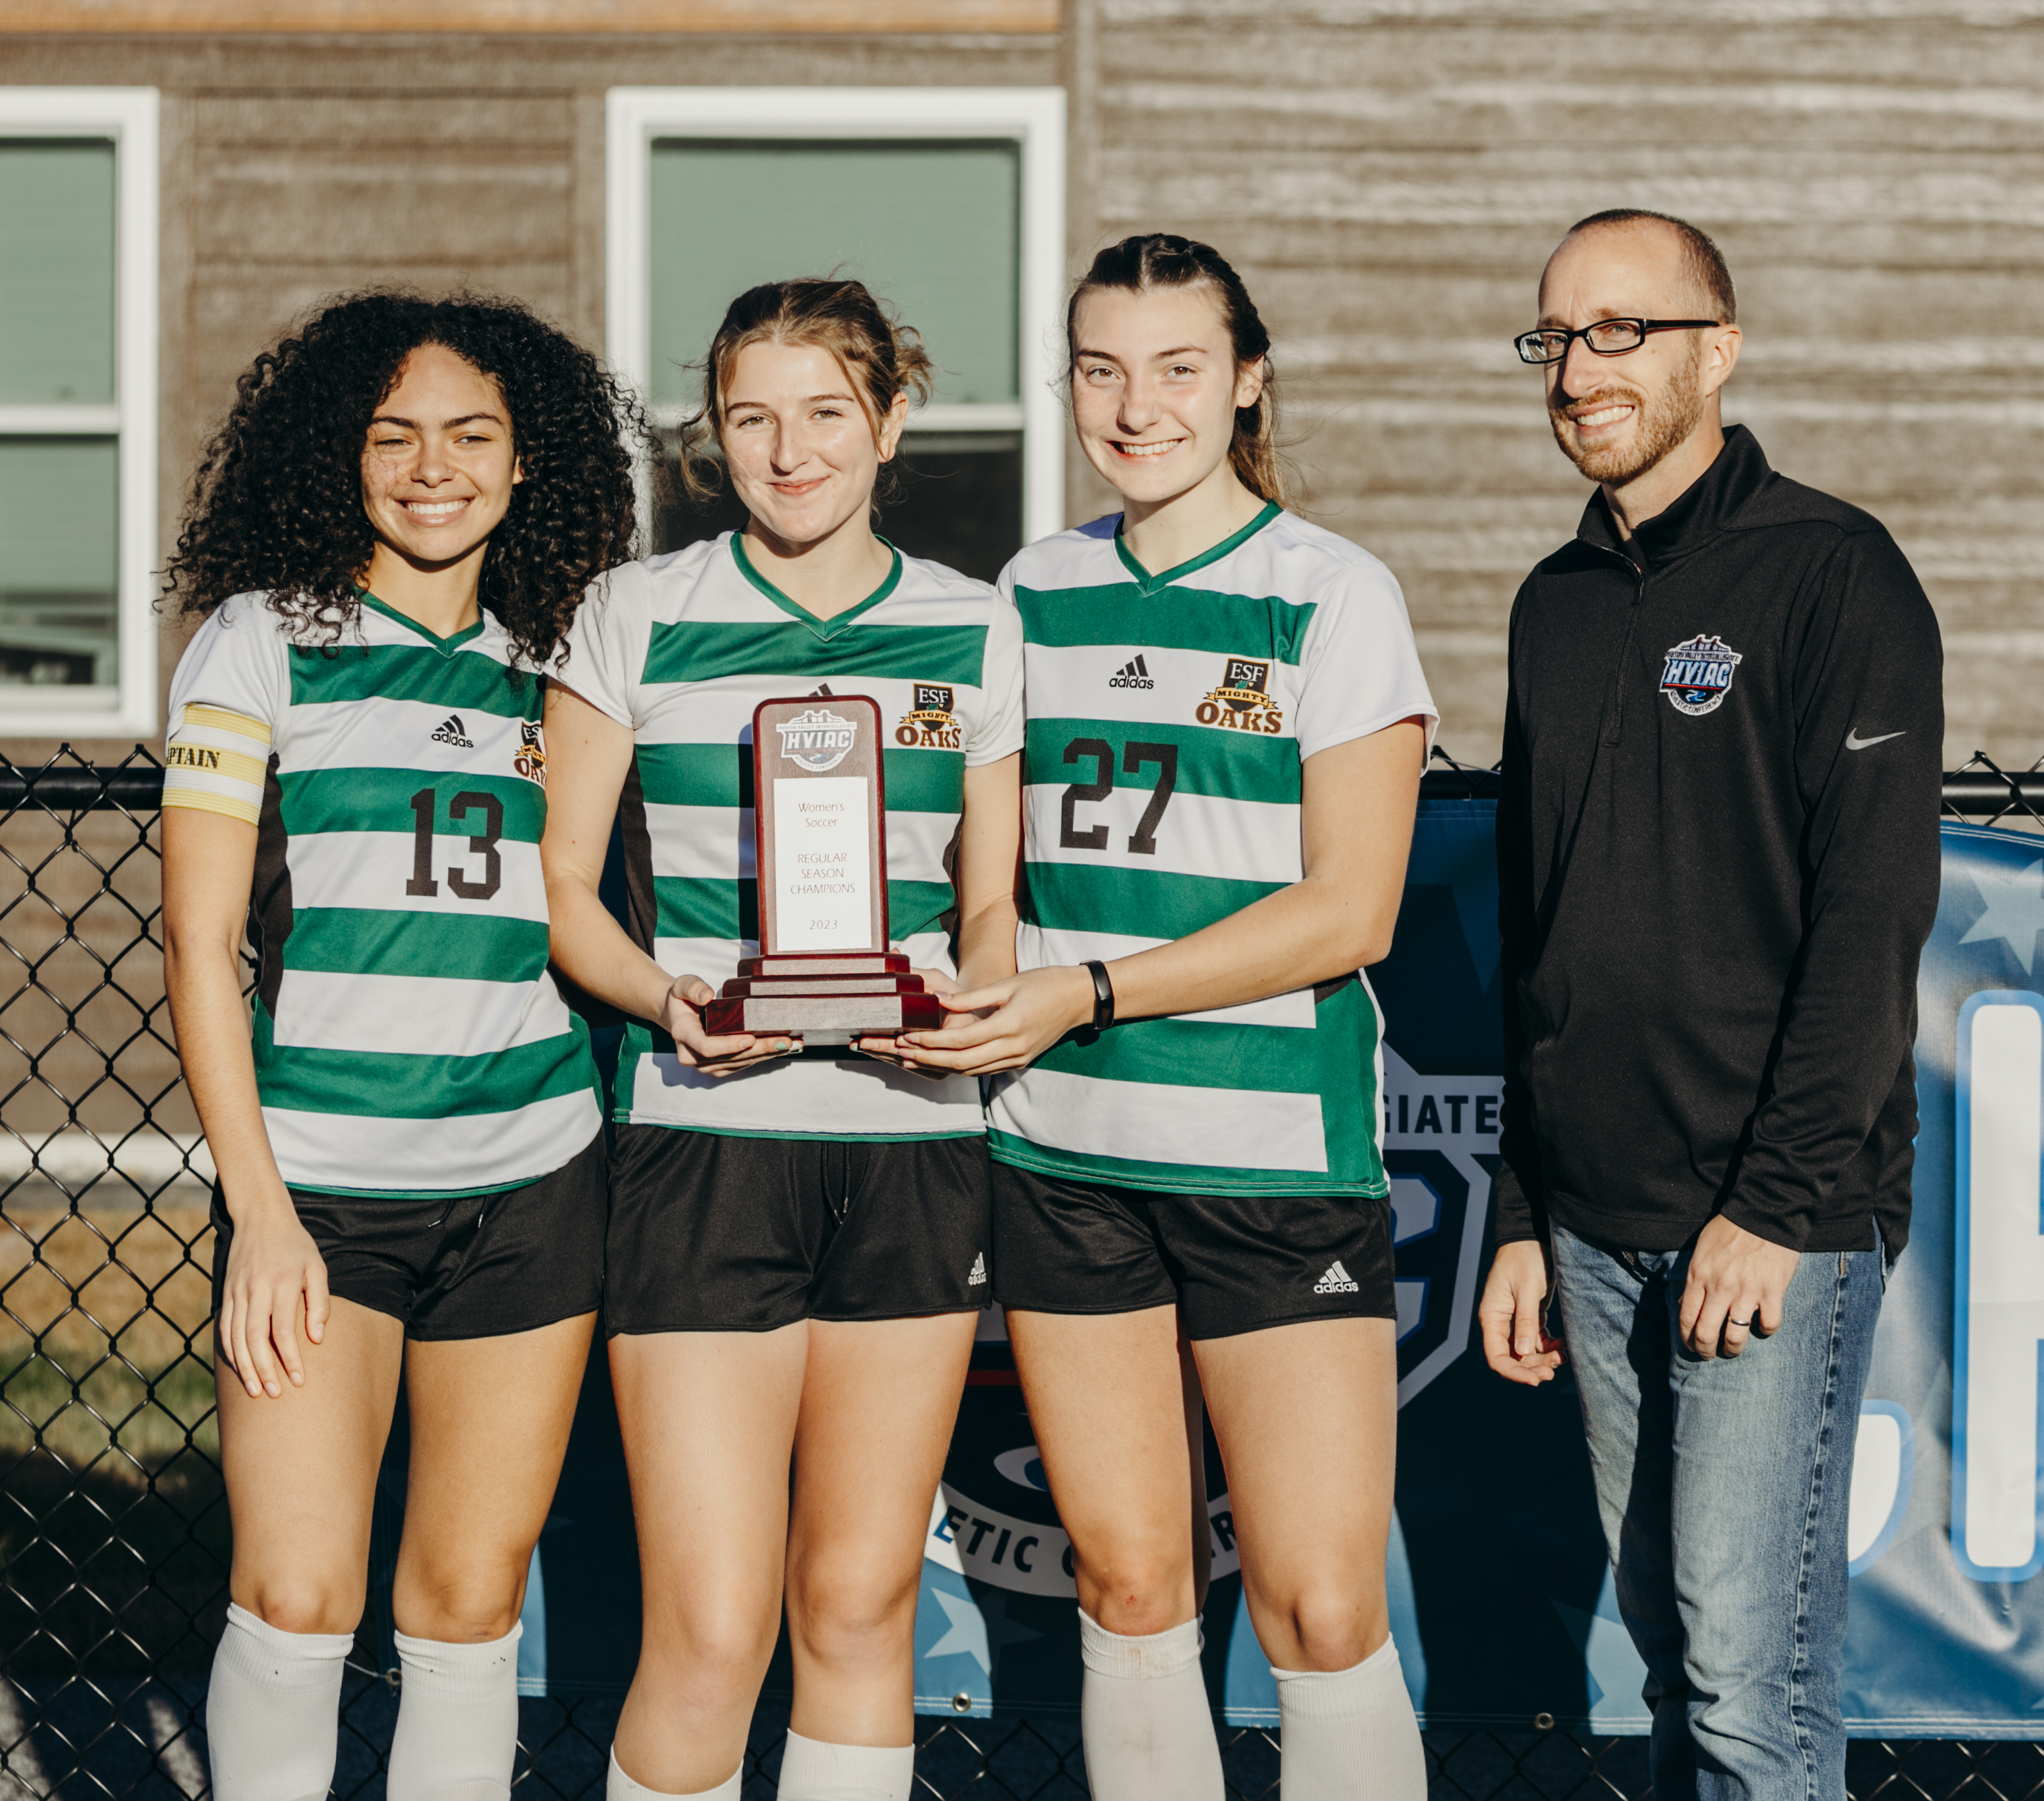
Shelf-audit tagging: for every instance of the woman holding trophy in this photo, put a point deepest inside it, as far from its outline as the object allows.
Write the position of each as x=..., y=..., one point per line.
x=799, y=1237
x=1185, y=1150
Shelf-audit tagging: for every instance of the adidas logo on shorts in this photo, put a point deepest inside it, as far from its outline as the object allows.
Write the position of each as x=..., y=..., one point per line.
x=1337, y=1282
x=978, y=1271
x=450, y=731
x=1135, y=674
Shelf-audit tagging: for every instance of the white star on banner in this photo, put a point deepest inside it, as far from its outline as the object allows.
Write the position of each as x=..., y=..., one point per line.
x=978, y=1631
x=2015, y=912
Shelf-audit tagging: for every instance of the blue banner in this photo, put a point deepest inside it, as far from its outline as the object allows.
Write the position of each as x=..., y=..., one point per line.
x=1501, y=1598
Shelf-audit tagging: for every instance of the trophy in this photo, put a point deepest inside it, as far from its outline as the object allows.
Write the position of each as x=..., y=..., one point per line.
x=824, y=972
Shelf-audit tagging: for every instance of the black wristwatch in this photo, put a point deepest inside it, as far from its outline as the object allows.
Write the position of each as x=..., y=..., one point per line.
x=1103, y=995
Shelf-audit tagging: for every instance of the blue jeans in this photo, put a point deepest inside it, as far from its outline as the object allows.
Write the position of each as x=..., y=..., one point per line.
x=1723, y=1484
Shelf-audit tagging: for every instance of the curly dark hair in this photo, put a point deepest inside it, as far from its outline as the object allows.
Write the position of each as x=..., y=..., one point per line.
x=276, y=506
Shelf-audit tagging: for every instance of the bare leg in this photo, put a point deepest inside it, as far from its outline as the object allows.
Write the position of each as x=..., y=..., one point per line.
x=1307, y=1416
x=878, y=1403
x=1115, y=1421
x=709, y=1422
x=490, y=1427
x=301, y=1475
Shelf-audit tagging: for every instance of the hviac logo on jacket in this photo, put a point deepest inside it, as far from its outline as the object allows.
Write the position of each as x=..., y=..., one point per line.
x=1697, y=675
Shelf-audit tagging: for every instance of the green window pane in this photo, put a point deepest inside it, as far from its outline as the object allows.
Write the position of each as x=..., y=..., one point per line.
x=56, y=271
x=58, y=535
x=933, y=228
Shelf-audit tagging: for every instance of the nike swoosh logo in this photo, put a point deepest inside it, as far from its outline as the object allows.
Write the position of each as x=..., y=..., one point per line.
x=1854, y=741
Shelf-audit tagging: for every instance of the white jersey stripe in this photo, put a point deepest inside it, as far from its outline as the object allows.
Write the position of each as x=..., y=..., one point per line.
x=1264, y=840
x=369, y=870
x=419, y=1015
x=476, y=1151
x=1169, y=1123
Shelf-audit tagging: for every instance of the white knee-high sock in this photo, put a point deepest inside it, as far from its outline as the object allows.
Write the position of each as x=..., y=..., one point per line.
x=273, y=1711
x=457, y=1731
x=1349, y=1734
x=620, y=1787
x=1143, y=1716
x=813, y=1771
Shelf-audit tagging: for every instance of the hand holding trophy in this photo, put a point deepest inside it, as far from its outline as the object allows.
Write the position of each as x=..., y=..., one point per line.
x=825, y=973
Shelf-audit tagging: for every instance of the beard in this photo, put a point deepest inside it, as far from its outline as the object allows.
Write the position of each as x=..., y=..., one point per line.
x=1665, y=419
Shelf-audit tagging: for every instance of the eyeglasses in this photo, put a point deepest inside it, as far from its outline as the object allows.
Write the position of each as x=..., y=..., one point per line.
x=1607, y=337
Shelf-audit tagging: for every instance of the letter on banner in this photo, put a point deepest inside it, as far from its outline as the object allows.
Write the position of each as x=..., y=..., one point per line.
x=1998, y=1307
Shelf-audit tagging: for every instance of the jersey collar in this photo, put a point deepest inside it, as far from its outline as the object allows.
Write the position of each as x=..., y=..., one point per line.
x=447, y=647
x=822, y=628
x=1150, y=584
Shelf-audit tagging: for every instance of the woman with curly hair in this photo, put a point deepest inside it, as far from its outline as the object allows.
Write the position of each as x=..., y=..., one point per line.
x=387, y=543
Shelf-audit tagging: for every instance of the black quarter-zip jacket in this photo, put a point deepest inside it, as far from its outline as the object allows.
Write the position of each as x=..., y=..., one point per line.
x=1718, y=861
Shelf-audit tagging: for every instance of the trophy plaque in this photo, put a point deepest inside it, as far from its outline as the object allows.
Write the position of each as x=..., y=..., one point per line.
x=825, y=972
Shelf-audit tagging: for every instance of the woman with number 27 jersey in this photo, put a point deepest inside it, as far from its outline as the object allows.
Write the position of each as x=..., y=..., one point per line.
x=1227, y=723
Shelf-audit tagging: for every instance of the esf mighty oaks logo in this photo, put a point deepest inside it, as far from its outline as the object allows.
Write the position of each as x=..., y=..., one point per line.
x=931, y=725
x=1697, y=675
x=1242, y=702
x=818, y=740
x=531, y=759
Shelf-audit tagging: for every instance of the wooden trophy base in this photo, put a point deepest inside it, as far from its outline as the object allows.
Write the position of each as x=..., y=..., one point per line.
x=824, y=997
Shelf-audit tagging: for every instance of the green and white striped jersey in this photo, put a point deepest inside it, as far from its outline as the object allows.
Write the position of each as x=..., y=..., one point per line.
x=682, y=648
x=1168, y=715
x=409, y=1039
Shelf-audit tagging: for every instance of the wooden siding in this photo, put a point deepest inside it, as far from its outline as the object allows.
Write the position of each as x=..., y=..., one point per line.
x=296, y=167
x=1390, y=177
x=549, y=15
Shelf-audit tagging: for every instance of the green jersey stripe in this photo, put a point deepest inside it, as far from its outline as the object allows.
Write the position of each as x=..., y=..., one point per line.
x=1230, y=765
x=380, y=800
x=721, y=775
x=360, y=672
x=367, y=941
x=393, y=1085
x=1201, y=1054
x=1165, y=1178
x=1079, y=897
x=1171, y=619
x=690, y=652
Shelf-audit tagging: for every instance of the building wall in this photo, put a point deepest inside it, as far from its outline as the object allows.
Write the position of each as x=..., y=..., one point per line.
x=1388, y=175
x=297, y=167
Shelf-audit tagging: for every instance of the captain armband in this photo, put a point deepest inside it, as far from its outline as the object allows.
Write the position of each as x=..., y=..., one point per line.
x=216, y=762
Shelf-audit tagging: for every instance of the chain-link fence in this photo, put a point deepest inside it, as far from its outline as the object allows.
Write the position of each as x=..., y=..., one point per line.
x=113, y=1530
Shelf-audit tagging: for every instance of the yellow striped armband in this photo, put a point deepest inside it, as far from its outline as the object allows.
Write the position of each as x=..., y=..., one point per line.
x=216, y=762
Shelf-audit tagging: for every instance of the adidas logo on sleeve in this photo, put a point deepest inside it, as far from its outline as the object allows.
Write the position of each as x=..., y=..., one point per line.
x=1135, y=674
x=1337, y=1282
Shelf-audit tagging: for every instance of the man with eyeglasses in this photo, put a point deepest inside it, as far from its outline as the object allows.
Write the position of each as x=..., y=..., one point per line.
x=1717, y=848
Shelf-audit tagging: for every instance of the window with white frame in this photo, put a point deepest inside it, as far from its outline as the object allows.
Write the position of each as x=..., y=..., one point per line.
x=947, y=203
x=77, y=411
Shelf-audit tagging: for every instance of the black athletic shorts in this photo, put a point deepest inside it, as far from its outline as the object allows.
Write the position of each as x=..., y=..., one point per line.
x=712, y=1233
x=1230, y=1263
x=476, y=1267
